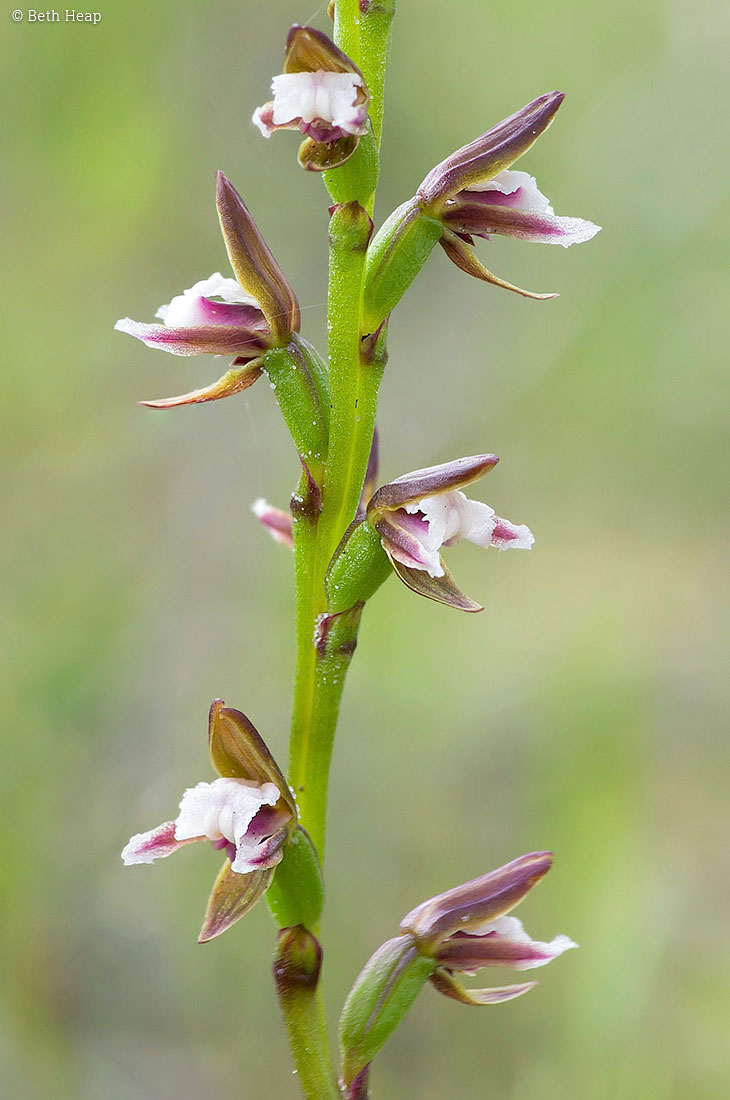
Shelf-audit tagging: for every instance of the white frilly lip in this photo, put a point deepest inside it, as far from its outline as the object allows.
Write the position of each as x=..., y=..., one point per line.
x=223, y=810
x=449, y=517
x=517, y=190
x=185, y=310
x=329, y=97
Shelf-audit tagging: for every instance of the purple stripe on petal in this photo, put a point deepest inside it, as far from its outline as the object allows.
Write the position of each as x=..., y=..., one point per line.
x=218, y=339
x=491, y=197
x=155, y=844
x=241, y=314
x=404, y=544
x=482, y=219
x=471, y=953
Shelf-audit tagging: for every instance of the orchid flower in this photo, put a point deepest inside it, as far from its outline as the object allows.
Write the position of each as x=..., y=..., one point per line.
x=245, y=316
x=475, y=194
x=249, y=813
x=420, y=513
x=458, y=932
x=321, y=93
x=466, y=929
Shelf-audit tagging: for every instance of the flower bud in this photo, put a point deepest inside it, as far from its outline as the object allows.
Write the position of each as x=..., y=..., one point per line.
x=297, y=961
x=378, y=1001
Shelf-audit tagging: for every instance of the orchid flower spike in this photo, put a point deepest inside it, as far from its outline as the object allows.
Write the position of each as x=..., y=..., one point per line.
x=420, y=513
x=475, y=194
x=244, y=316
x=467, y=928
x=321, y=93
x=249, y=813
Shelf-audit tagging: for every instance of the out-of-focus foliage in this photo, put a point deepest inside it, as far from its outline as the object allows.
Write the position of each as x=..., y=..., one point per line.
x=581, y=711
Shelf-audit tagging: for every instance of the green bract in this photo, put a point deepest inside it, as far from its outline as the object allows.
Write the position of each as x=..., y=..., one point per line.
x=398, y=251
x=379, y=1000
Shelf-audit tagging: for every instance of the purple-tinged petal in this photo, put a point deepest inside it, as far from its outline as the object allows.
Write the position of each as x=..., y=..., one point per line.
x=253, y=262
x=215, y=300
x=445, y=982
x=507, y=945
x=242, y=315
x=262, y=846
x=233, y=895
x=276, y=522
x=413, y=487
x=512, y=536
x=482, y=219
x=489, y=154
x=238, y=750
x=480, y=900
x=465, y=258
x=155, y=844
x=233, y=381
x=217, y=339
x=403, y=537
x=263, y=120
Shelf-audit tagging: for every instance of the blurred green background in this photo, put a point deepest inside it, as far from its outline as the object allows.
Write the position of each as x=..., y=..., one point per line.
x=581, y=711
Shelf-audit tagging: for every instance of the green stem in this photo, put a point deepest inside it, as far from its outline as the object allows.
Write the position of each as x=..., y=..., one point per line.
x=353, y=384
x=375, y=29
x=322, y=511
x=297, y=965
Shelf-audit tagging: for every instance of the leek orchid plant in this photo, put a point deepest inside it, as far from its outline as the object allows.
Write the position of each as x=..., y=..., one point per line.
x=349, y=536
